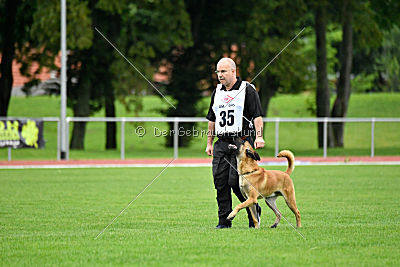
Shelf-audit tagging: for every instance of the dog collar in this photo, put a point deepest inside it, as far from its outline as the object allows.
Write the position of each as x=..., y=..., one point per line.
x=248, y=173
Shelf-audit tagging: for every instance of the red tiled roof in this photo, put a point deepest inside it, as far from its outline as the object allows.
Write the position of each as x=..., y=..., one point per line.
x=19, y=80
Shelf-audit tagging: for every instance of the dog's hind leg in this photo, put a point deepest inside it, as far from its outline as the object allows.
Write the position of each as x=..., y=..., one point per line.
x=253, y=211
x=290, y=199
x=271, y=202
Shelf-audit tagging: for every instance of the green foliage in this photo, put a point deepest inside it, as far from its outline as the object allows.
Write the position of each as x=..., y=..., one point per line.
x=311, y=104
x=366, y=29
x=271, y=25
x=386, y=13
x=363, y=82
x=188, y=38
x=389, y=58
x=141, y=30
x=307, y=49
x=256, y=32
x=193, y=66
x=46, y=27
x=375, y=24
x=148, y=29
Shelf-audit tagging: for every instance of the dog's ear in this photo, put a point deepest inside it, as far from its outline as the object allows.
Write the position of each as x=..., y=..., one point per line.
x=253, y=155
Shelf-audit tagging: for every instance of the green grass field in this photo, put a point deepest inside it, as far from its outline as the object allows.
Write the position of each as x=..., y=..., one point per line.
x=301, y=138
x=350, y=217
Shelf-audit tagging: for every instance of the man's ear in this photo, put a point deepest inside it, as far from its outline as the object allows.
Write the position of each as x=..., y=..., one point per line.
x=253, y=155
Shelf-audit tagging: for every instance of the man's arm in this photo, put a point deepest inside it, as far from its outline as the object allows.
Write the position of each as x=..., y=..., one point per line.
x=210, y=138
x=258, y=124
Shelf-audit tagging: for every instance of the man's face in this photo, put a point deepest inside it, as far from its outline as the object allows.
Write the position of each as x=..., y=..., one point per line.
x=225, y=74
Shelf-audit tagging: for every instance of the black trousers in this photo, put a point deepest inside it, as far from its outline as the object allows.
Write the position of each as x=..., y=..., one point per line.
x=225, y=179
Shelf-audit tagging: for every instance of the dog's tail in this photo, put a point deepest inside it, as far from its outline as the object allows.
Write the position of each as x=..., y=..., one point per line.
x=290, y=158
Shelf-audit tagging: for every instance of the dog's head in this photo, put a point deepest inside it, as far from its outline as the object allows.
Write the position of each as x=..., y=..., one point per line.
x=243, y=150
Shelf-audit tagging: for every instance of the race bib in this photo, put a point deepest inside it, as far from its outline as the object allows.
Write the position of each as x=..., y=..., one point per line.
x=228, y=108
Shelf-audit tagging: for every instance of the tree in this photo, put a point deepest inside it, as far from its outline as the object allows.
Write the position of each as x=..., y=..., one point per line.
x=252, y=33
x=375, y=56
x=372, y=18
x=343, y=88
x=94, y=68
x=322, y=90
x=94, y=78
x=143, y=29
x=9, y=35
x=192, y=66
x=271, y=25
x=388, y=60
x=46, y=29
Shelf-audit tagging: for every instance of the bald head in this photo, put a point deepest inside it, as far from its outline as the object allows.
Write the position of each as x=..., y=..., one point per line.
x=228, y=61
x=226, y=72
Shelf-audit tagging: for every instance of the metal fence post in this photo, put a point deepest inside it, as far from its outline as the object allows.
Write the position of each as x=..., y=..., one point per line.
x=123, y=139
x=325, y=136
x=372, y=137
x=276, y=136
x=63, y=80
x=176, y=139
x=66, y=145
x=58, y=140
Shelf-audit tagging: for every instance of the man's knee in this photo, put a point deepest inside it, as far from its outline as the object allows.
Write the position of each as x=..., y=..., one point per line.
x=238, y=194
x=223, y=196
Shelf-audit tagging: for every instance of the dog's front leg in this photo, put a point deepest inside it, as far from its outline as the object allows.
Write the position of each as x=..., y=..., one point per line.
x=250, y=201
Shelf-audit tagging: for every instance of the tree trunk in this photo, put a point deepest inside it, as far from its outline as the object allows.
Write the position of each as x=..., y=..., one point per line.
x=78, y=136
x=8, y=51
x=110, y=24
x=322, y=90
x=268, y=87
x=343, y=87
x=81, y=109
x=184, y=90
x=111, y=141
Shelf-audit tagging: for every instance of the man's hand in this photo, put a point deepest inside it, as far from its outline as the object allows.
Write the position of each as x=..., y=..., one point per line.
x=259, y=142
x=258, y=124
x=210, y=138
x=209, y=150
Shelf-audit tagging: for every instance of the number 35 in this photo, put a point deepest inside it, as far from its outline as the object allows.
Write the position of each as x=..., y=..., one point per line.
x=227, y=119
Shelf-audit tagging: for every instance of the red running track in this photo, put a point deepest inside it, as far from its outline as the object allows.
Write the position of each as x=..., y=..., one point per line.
x=193, y=162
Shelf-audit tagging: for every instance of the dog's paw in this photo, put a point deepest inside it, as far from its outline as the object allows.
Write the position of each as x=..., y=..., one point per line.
x=274, y=225
x=230, y=217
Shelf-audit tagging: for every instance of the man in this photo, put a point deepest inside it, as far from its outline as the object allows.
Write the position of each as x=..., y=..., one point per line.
x=235, y=110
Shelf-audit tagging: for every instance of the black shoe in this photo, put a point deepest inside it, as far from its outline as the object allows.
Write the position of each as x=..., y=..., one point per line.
x=251, y=223
x=222, y=226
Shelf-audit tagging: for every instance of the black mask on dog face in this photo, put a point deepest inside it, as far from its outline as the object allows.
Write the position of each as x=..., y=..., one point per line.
x=252, y=154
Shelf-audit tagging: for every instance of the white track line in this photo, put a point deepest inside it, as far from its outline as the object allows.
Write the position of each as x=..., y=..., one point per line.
x=268, y=163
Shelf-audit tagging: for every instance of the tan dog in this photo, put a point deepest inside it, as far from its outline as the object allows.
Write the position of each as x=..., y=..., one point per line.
x=270, y=183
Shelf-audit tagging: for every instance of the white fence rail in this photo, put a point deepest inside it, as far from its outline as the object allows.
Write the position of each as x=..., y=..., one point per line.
x=177, y=120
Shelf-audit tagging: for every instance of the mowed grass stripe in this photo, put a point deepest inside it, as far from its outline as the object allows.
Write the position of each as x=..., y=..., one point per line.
x=350, y=215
